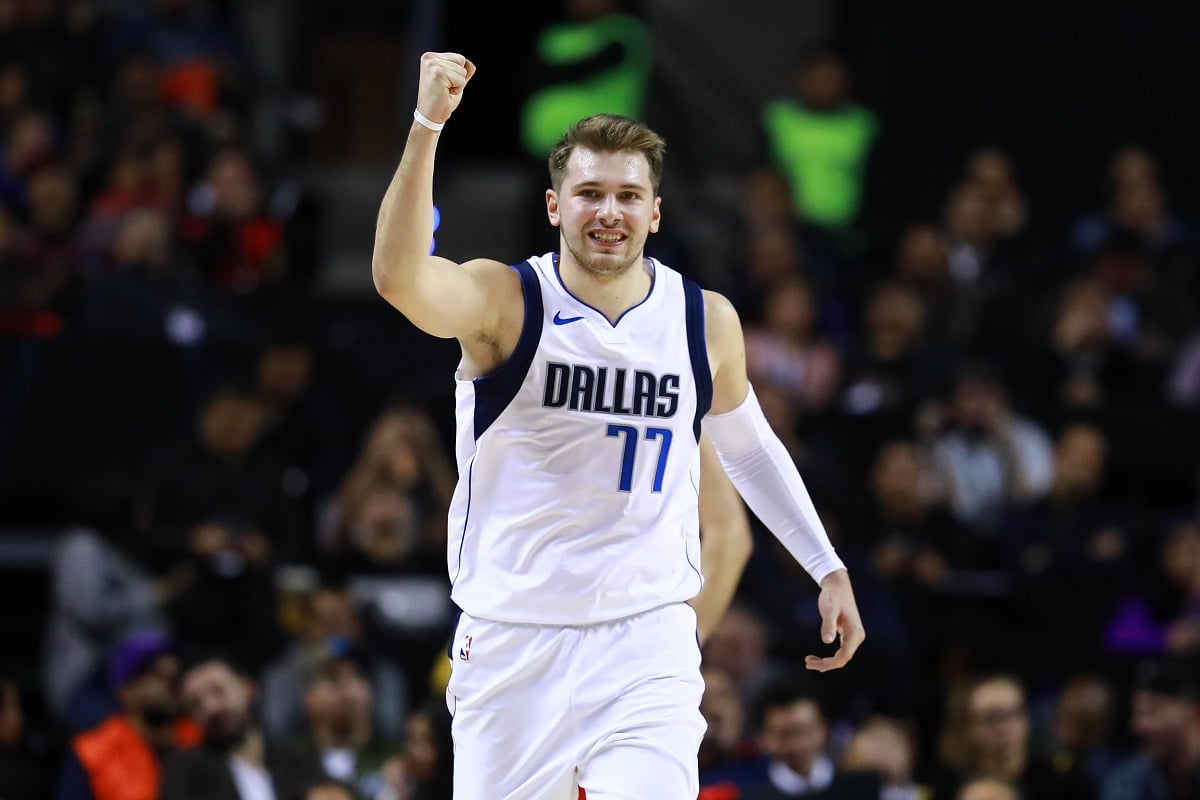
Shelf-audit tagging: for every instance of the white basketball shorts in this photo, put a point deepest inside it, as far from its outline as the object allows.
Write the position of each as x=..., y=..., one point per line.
x=541, y=712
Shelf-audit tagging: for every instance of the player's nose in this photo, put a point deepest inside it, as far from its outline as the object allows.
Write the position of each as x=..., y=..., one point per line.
x=609, y=210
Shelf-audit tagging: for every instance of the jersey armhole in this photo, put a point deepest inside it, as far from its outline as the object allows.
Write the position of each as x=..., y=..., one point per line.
x=495, y=391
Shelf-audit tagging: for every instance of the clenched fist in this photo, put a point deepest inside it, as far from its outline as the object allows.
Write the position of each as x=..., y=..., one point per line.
x=443, y=78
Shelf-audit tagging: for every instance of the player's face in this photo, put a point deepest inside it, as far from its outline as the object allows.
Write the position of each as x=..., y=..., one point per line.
x=604, y=210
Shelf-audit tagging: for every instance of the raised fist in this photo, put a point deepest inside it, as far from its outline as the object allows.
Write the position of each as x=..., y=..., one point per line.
x=443, y=78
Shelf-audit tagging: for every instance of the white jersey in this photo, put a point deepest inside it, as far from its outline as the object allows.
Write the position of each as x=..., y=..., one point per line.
x=578, y=459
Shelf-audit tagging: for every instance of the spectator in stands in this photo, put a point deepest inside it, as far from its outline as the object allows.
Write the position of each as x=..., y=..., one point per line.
x=988, y=454
x=772, y=254
x=1179, y=562
x=219, y=501
x=987, y=789
x=985, y=216
x=884, y=746
x=1084, y=367
x=788, y=353
x=100, y=595
x=1183, y=388
x=820, y=140
x=738, y=647
x=331, y=620
x=1147, y=314
x=340, y=735
x=137, y=115
x=998, y=746
x=1165, y=719
x=1137, y=202
x=729, y=761
x=1074, y=545
x=52, y=251
x=890, y=371
x=921, y=262
x=23, y=771
x=402, y=451
x=143, y=287
x=328, y=789
x=1084, y=723
x=902, y=526
x=233, y=762
x=14, y=93
x=202, y=57
x=422, y=770
x=120, y=758
x=991, y=172
x=28, y=145
x=1161, y=614
x=795, y=736
x=302, y=424
x=61, y=47
x=237, y=244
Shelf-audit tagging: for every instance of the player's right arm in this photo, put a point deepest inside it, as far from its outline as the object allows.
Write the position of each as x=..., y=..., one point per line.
x=439, y=296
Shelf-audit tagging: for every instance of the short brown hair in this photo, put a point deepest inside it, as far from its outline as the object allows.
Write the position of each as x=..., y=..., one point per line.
x=608, y=133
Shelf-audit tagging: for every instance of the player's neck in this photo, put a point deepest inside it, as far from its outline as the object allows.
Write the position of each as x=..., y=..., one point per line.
x=611, y=295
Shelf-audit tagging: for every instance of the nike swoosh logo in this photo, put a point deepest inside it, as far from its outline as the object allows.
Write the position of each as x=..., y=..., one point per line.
x=559, y=319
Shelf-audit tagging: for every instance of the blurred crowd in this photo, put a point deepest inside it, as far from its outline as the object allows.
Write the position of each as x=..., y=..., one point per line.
x=998, y=423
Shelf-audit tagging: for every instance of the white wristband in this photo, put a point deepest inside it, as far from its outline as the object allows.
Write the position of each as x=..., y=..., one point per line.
x=426, y=121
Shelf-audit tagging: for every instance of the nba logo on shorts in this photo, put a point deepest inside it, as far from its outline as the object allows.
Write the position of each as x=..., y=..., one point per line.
x=464, y=652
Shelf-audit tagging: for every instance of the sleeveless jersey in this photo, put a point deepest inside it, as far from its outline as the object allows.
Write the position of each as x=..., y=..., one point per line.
x=578, y=459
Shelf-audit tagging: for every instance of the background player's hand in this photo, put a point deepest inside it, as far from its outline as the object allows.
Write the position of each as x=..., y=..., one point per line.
x=443, y=78
x=839, y=619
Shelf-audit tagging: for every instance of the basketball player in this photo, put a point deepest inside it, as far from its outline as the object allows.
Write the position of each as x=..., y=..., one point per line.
x=585, y=377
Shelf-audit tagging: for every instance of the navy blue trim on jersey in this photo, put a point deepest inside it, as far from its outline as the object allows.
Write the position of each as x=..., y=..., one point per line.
x=463, y=539
x=454, y=630
x=698, y=350
x=494, y=392
x=649, y=294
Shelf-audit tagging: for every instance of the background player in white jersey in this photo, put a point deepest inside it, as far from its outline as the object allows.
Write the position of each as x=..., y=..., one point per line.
x=584, y=378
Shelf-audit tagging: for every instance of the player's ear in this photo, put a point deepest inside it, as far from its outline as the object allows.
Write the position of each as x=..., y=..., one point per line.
x=656, y=216
x=552, y=207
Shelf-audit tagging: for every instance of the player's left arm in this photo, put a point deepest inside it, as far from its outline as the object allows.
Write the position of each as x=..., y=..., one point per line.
x=765, y=475
x=725, y=541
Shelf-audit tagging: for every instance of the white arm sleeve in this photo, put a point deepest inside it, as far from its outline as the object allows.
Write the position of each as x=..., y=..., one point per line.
x=766, y=477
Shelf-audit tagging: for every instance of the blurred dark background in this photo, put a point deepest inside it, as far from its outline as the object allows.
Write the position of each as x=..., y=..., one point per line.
x=963, y=239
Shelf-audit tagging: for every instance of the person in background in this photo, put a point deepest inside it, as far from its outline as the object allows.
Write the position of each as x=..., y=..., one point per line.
x=330, y=621
x=24, y=773
x=820, y=140
x=1083, y=727
x=987, y=789
x=121, y=759
x=233, y=762
x=729, y=761
x=328, y=790
x=1165, y=720
x=998, y=746
x=341, y=737
x=884, y=746
x=794, y=735
x=422, y=770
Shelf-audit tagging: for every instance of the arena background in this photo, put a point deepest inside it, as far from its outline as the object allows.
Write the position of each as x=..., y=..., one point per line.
x=109, y=352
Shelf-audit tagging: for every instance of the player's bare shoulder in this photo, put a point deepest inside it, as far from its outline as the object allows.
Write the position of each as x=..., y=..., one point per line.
x=502, y=288
x=726, y=352
x=721, y=319
x=500, y=325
